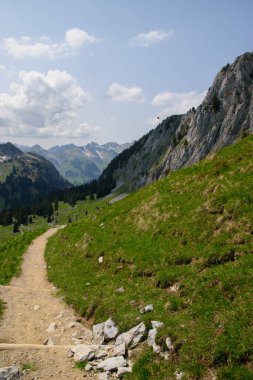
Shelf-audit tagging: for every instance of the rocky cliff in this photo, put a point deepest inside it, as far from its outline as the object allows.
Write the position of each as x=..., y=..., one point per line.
x=225, y=114
x=179, y=141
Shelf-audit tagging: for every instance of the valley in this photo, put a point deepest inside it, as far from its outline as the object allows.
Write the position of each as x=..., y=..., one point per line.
x=154, y=241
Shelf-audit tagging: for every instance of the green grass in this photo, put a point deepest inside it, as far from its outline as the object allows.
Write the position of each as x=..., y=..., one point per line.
x=193, y=228
x=30, y=366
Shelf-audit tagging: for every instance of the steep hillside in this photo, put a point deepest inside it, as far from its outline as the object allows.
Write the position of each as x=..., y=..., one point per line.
x=79, y=164
x=25, y=177
x=225, y=114
x=183, y=244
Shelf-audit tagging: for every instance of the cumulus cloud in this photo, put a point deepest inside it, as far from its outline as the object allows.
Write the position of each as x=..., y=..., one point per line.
x=151, y=38
x=26, y=47
x=121, y=93
x=44, y=105
x=176, y=102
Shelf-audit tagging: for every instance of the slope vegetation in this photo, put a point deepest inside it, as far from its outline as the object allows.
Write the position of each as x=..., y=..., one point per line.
x=183, y=244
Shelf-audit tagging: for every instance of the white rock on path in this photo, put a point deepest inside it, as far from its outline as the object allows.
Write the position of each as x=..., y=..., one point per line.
x=132, y=337
x=51, y=327
x=10, y=373
x=112, y=364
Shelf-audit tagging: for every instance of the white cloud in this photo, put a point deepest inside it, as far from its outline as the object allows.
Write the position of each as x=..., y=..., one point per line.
x=150, y=38
x=44, y=105
x=176, y=103
x=25, y=47
x=121, y=93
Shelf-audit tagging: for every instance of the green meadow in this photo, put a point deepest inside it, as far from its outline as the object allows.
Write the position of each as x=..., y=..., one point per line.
x=183, y=244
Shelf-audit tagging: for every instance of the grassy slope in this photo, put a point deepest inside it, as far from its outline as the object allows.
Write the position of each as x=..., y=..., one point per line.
x=193, y=228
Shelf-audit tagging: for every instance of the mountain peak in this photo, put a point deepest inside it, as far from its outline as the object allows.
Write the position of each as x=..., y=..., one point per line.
x=10, y=150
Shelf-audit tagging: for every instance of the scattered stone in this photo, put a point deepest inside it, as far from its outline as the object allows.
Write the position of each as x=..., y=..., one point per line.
x=151, y=341
x=156, y=324
x=174, y=288
x=36, y=307
x=112, y=364
x=119, y=350
x=123, y=370
x=120, y=290
x=100, y=259
x=82, y=353
x=51, y=327
x=148, y=308
x=10, y=373
x=71, y=325
x=70, y=354
x=179, y=375
x=110, y=329
x=132, y=337
x=105, y=331
x=169, y=344
x=87, y=284
x=88, y=367
x=48, y=342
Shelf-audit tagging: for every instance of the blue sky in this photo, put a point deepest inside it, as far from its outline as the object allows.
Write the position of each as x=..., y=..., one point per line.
x=74, y=71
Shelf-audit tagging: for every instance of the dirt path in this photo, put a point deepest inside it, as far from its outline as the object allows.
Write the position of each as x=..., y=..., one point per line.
x=31, y=308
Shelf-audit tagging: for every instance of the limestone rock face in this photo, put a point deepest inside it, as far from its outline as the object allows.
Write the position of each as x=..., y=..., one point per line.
x=225, y=114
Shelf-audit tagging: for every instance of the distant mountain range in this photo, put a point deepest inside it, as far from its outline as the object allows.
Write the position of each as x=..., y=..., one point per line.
x=79, y=164
x=25, y=177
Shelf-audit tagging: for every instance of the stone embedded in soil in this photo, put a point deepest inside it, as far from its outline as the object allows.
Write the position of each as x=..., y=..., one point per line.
x=51, y=327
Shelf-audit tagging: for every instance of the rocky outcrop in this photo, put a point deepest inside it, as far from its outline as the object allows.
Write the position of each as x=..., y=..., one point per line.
x=225, y=114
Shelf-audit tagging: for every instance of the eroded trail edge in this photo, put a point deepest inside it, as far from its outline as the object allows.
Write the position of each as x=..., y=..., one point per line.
x=33, y=315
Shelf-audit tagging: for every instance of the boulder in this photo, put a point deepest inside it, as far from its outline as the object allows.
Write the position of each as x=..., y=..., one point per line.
x=110, y=329
x=132, y=337
x=82, y=353
x=112, y=364
x=10, y=373
x=120, y=290
x=98, y=332
x=105, y=331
